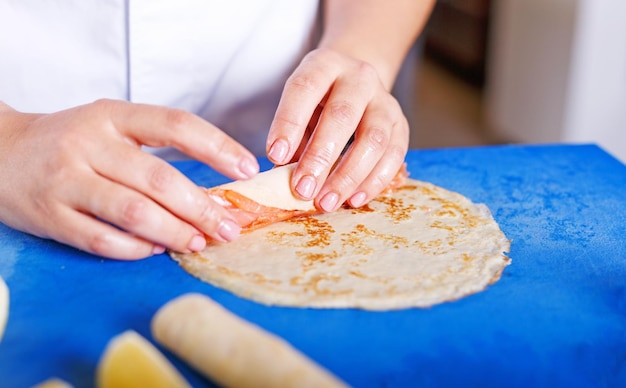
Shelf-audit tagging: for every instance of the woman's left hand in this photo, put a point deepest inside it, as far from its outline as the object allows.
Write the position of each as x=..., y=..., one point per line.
x=328, y=100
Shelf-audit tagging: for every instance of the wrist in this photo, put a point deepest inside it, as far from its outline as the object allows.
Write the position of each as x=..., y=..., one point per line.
x=12, y=122
x=4, y=107
x=380, y=33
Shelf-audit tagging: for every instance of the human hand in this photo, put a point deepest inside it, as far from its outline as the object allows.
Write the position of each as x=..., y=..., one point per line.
x=329, y=98
x=79, y=177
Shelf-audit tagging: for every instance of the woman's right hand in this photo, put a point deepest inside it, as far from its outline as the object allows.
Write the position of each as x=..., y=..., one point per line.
x=79, y=177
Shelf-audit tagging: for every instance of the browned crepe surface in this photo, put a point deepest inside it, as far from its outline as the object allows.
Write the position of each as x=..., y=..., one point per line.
x=416, y=247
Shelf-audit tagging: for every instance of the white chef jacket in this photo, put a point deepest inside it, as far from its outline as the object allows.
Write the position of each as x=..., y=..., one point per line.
x=226, y=61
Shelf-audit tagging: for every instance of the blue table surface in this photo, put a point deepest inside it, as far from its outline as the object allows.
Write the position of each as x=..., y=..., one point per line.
x=557, y=317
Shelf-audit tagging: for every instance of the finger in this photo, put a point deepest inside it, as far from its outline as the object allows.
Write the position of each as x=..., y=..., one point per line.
x=339, y=119
x=91, y=235
x=372, y=138
x=168, y=187
x=304, y=90
x=160, y=127
x=385, y=170
x=307, y=134
x=136, y=214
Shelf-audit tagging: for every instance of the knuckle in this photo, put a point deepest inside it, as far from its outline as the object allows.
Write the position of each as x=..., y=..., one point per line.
x=222, y=146
x=327, y=58
x=103, y=103
x=405, y=128
x=306, y=83
x=341, y=112
x=288, y=122
x=395, y=113
x=320, y=158
x=179, y=236
x=100, y=244
x=366, y=71
x=347, y=181
x=320, y=51
x=105, y=245
x=208, y=214
x=178, y=120
x=133, y=211
x=160, y=177
x=103, y=107
x=379, y=182
x=378, y=138
x=397, y=153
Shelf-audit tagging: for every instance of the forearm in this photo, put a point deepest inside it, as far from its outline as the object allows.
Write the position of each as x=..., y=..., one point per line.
x=379, y=32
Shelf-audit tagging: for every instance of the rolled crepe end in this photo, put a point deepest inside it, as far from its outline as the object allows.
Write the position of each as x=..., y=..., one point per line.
x=230, y=350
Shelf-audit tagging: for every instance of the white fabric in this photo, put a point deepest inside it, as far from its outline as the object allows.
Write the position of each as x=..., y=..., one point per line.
x=224, y=60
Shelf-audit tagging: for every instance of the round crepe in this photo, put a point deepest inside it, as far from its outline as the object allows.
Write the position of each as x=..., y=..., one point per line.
x=415, y=247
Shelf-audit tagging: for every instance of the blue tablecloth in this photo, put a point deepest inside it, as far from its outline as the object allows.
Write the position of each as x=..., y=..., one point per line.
x=557, y=317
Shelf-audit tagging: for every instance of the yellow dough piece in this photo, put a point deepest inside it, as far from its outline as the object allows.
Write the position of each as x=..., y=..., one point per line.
x=130, y=360
x=232, y=351
x=4, y=306
x=54, y=382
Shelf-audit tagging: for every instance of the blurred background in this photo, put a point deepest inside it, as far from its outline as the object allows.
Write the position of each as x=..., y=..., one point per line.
x=519, y=71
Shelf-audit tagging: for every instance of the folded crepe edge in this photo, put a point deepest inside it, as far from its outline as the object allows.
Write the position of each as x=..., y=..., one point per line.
x=271, y=188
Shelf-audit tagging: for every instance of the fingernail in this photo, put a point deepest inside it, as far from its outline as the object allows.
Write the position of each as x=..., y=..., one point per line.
x=229, y=230
x=248, y=167
x=157, y=250
x=306, y=186
x=358, y=199
x=329, y=201
x=197, y=243
x=278, y=151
